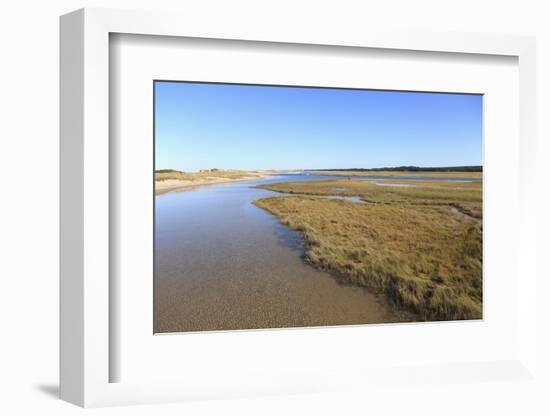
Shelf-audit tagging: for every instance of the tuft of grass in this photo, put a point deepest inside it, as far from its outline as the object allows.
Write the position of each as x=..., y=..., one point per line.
x=408, y=244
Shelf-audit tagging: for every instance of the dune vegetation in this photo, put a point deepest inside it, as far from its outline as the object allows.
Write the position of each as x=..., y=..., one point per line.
x=167, y=180
x=167, y=174
x=420, y=244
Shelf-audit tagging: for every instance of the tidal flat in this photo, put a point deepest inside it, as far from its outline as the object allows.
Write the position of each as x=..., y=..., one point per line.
x=419, y=246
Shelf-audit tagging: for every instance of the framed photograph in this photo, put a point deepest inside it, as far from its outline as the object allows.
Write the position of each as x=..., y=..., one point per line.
x=289, y=229
x=246, y=212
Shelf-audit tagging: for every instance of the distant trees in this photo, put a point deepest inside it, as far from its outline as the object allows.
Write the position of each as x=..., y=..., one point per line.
x=167, y=171
x=179, y=171
x=412, y=169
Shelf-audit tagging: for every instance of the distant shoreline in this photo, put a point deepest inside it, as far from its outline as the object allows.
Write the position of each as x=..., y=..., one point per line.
x=410, y=168
x=174, y=184
x=397, y=174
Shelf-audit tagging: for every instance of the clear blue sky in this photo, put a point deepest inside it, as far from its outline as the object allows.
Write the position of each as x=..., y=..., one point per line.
x=227, y=126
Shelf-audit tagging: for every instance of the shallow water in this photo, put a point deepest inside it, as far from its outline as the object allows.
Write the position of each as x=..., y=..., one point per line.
x=222, y=263
x=355, y=199
x=397, y=185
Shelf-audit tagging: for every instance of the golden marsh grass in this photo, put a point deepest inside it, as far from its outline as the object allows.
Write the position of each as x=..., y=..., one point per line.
x=406, y=243
x=464, y=196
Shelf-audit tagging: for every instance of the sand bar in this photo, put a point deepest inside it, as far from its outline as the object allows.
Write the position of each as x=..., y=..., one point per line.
x=174, y=185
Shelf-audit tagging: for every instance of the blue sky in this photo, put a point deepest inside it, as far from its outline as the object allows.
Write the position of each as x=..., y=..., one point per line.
x=226, y=126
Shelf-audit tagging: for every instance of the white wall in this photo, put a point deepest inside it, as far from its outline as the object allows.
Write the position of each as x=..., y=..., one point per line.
x=29, y=209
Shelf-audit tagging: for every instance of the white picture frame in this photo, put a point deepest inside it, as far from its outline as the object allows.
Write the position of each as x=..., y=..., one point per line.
x=85, y=219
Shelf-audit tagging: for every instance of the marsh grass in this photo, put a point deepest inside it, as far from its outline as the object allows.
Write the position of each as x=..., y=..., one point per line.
x=465, y=196
x=408, y=244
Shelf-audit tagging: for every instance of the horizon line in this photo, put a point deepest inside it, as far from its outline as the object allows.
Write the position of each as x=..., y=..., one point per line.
x=400, y=167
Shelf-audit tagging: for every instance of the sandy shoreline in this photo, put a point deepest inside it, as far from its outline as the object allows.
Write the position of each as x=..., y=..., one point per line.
x=175, y=185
